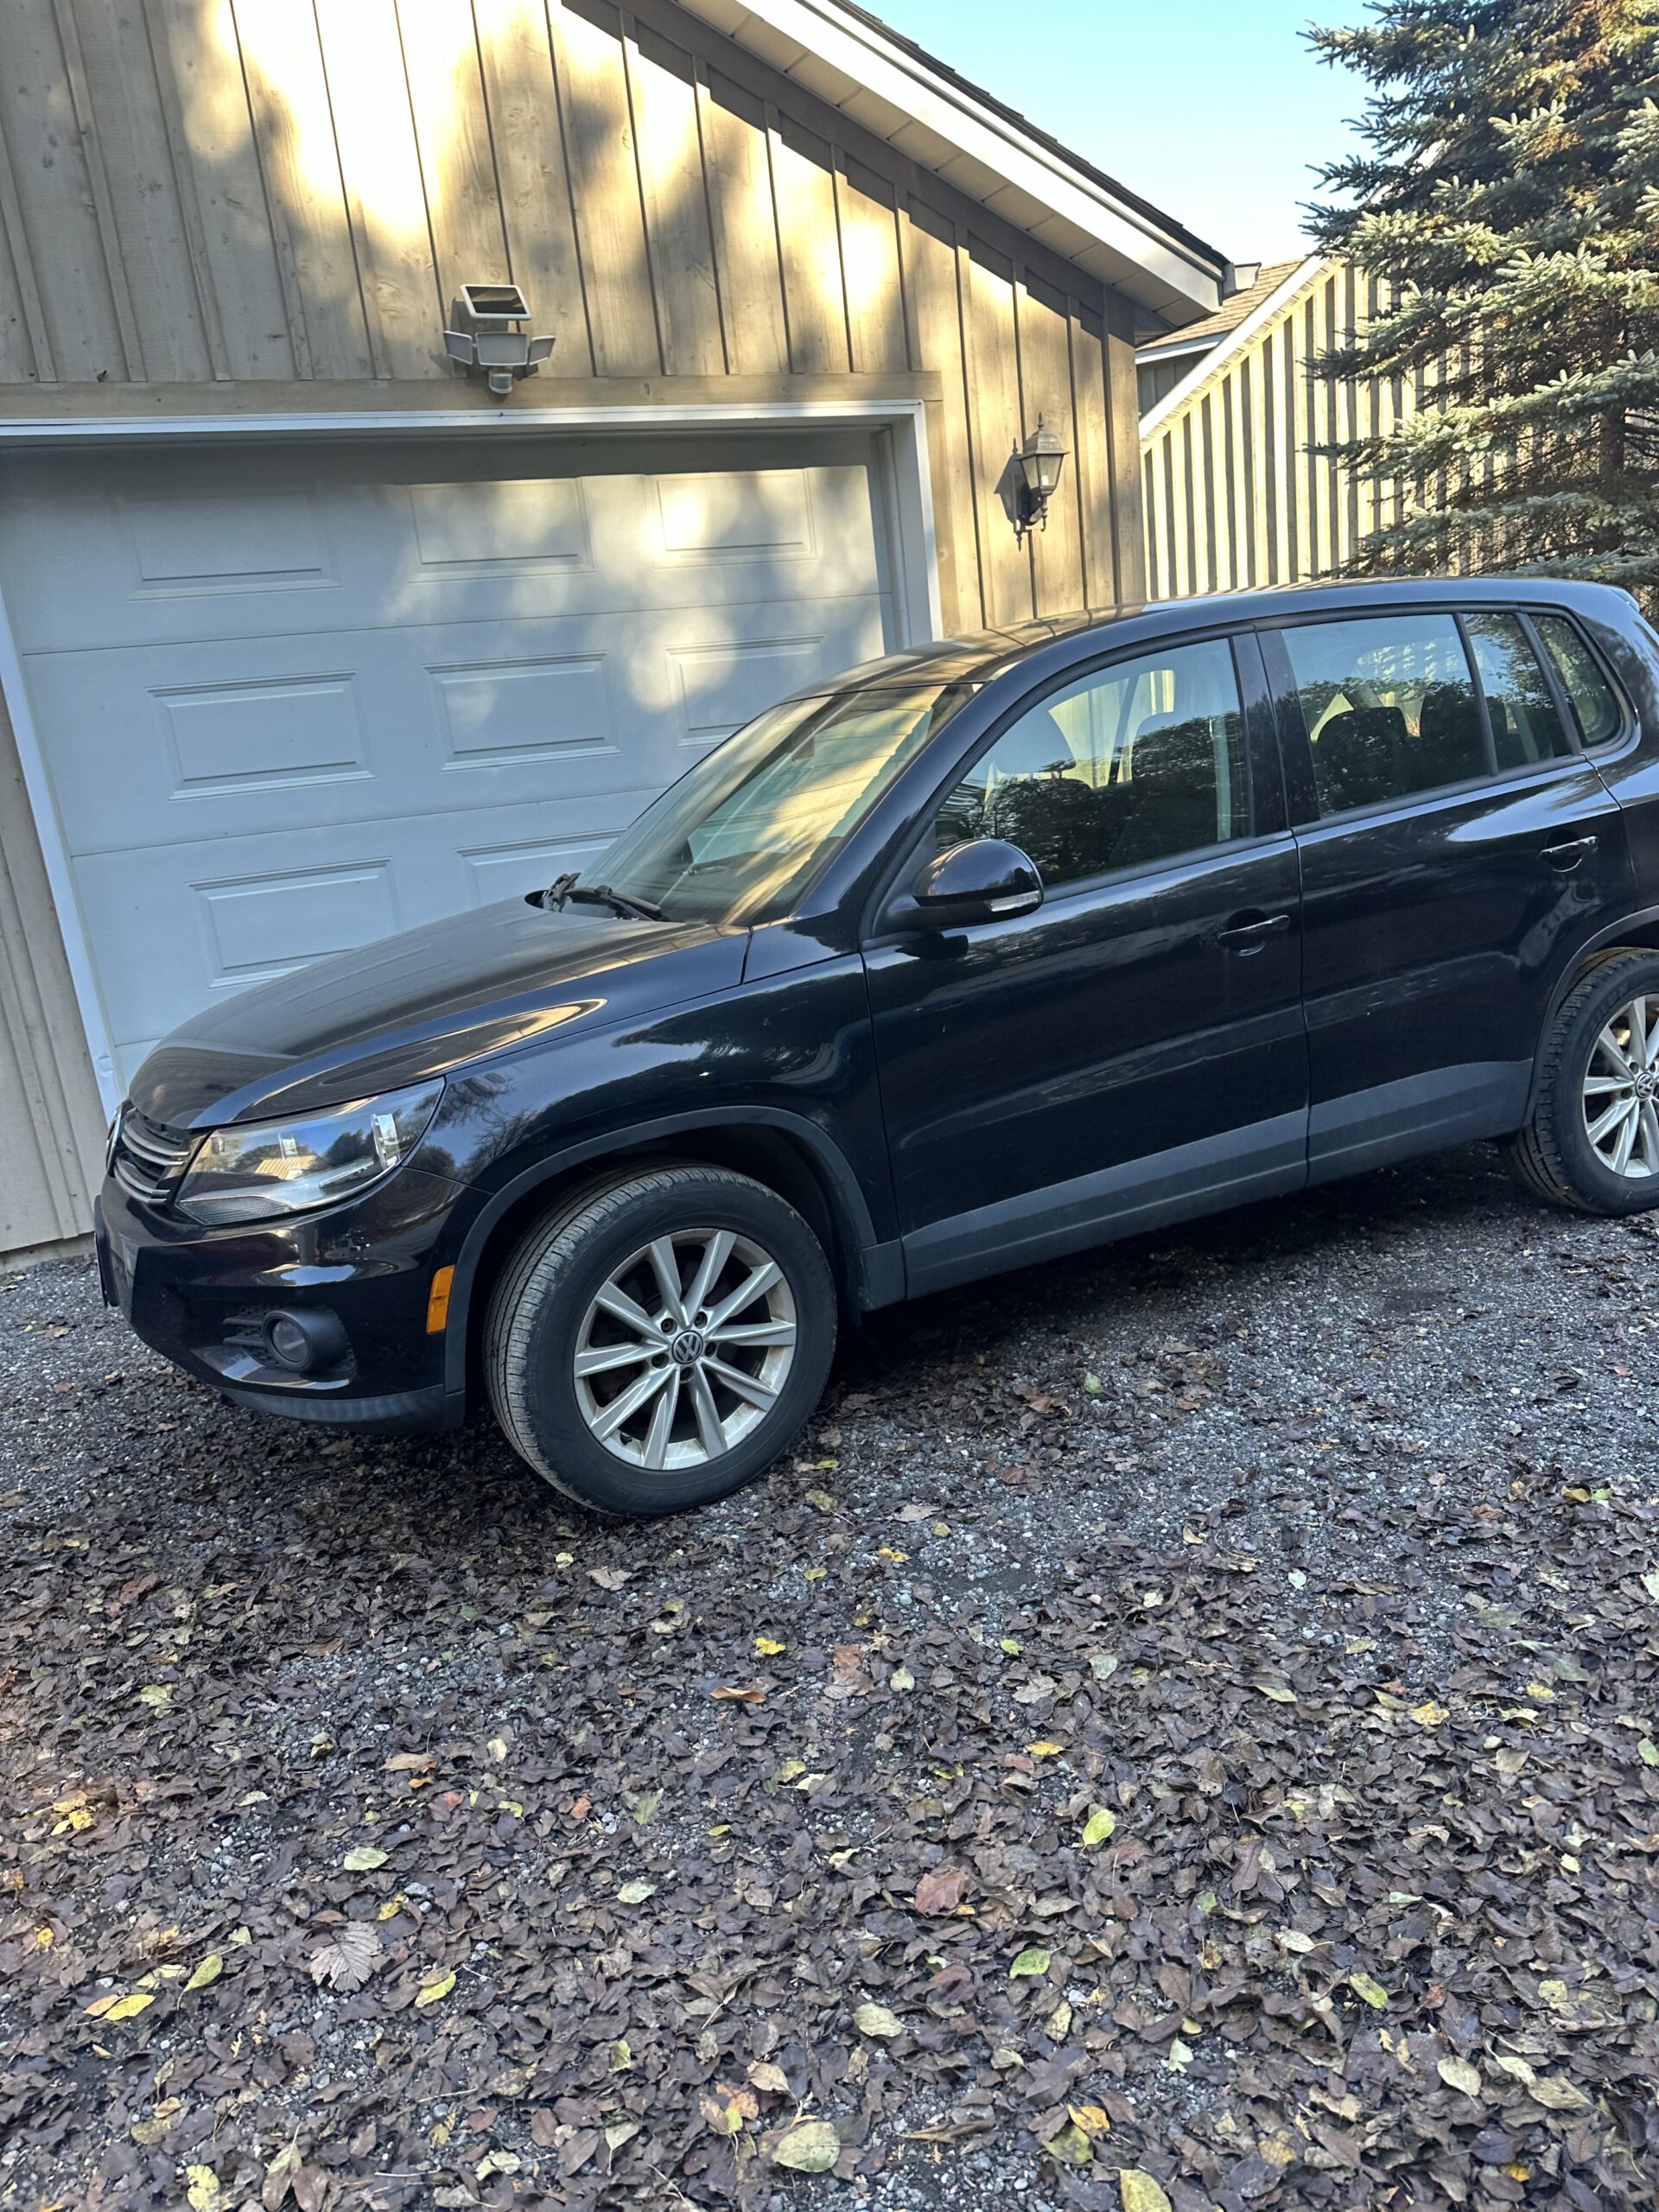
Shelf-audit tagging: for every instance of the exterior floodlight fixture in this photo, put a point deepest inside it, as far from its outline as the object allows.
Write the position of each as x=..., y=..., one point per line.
x=489, y=339
x=1039, y=461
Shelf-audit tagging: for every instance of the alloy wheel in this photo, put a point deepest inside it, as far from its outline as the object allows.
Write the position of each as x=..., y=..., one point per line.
x=683, y=1348
x=1621, y=1091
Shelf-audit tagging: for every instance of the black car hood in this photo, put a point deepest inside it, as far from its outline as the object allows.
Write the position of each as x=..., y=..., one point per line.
x=416, y=1006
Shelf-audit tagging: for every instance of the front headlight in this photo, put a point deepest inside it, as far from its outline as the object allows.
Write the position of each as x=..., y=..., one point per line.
x=268, y=1168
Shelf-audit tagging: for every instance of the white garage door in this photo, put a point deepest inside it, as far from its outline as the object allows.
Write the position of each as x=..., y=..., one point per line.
x=293, y=699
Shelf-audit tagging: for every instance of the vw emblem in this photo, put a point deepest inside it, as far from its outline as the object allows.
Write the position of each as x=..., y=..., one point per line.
x=687, y=1348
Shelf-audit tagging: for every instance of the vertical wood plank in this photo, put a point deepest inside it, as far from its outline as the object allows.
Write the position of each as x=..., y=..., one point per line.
x=1045, y=390
x=1180, y=497
x=1149, y=466
x=28, y=349
x=994, y=418
x=363, y=64
x=288, y=95
x=809, y=248
x=149, y=219
x=1095, y=488
x=931, y=265
x=56, y=227
x=1124, y=415
x=1296, y=437
x=452, y=138
x=50, y=1121
x=198, y=68
x=604, y=189
x=869, y=255
x=664, y=100
x=1214, y=565
x=522, y=104
x=86, y=125
x=745, y=225
x=159, y=83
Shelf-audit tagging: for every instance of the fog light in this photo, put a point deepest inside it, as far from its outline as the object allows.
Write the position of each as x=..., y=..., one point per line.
x=302, y=1341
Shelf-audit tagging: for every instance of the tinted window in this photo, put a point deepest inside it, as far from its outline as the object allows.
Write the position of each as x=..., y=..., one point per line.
x=1389, y=707
x=1594, y=706
x=1520, y=704
x=1135, y=763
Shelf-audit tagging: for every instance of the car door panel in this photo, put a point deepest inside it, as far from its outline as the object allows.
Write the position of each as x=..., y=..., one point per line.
x=1103, y=1064
x=1434, y=928
x=1097, y=1067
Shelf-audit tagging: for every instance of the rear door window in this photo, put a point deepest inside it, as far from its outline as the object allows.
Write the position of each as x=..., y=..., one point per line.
x=1527, y=728
x=1389, y=705
x=1595, y=708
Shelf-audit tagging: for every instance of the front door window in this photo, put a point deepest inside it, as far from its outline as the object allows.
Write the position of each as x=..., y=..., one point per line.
x=1133, y=764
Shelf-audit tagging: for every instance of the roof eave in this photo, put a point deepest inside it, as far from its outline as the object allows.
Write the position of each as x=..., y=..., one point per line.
x=1213, y=362
x=845, y=61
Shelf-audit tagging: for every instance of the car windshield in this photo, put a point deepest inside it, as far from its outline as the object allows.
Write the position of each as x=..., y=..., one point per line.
x=740, y=835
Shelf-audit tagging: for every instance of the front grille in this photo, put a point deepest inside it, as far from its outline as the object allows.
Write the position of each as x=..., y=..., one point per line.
x=150, y=1160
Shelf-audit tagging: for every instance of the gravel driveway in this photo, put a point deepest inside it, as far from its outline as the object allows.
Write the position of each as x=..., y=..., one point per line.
x=1183, y=1729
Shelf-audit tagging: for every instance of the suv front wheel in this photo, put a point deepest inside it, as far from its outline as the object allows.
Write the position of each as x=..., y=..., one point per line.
x=1593, y=1142
x=659, y=1342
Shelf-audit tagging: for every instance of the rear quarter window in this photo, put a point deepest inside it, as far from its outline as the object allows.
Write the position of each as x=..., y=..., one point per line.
x=1593, y=701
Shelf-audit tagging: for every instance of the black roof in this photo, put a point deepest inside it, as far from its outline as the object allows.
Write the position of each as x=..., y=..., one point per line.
x=981, y=655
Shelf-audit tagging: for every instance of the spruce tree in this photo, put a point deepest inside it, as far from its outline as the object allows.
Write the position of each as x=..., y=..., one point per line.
x=1508, y=200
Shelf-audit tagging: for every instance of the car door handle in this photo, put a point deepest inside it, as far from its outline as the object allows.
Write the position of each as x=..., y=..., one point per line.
x=1567, y=855
x=1245, y=931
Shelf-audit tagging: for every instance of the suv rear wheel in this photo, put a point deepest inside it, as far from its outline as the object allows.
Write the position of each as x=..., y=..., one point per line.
x=1593, y=1142
x=659, y=1341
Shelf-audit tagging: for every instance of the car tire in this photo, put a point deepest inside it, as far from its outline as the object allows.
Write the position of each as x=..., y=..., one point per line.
x=1569, y=1152
x=579, y=1321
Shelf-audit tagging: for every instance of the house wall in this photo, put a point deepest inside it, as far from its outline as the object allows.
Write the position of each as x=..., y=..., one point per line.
x=266, y=206
x=1234, y=494
x=51, y=1124
x=263, y=194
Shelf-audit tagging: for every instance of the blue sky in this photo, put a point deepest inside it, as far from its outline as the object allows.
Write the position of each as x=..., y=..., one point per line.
x=1214, y=109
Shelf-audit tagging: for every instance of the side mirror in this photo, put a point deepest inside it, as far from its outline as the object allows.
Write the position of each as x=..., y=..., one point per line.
x=983, y=881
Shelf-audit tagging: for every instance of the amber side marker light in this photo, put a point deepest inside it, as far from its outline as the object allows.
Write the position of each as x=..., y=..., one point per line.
x=437, y=1303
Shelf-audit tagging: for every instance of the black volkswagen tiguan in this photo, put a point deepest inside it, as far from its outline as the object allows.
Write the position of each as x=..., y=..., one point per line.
x=969, y=957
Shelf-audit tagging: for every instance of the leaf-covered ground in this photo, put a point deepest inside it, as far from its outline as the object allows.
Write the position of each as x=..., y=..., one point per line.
x=1184, y=1728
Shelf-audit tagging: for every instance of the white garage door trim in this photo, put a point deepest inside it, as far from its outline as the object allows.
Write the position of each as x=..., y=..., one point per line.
x=901, y=484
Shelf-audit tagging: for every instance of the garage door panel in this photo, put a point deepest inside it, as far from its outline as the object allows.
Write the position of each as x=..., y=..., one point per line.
x=214, y=918
x=286, y=712
x=153, y=562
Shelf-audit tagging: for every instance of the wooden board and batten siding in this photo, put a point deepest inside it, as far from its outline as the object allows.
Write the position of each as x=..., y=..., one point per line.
x=264, y=192
x=264, y=209
x=1234, y=492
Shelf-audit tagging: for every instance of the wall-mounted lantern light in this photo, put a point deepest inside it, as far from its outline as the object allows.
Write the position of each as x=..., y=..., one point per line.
x=489, y=339
x=1034, y=474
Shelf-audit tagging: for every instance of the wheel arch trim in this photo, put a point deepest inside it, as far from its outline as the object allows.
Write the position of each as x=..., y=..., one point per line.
x=1615, y=938
x=877, y=1267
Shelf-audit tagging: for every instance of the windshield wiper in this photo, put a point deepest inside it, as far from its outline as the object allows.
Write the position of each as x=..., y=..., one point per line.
x=565, y=887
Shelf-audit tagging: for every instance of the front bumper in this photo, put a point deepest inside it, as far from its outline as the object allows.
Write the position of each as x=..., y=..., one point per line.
x=200, y=1297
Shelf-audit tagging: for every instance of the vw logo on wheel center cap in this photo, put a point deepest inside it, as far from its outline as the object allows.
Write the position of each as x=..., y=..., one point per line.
x=686, y=1350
